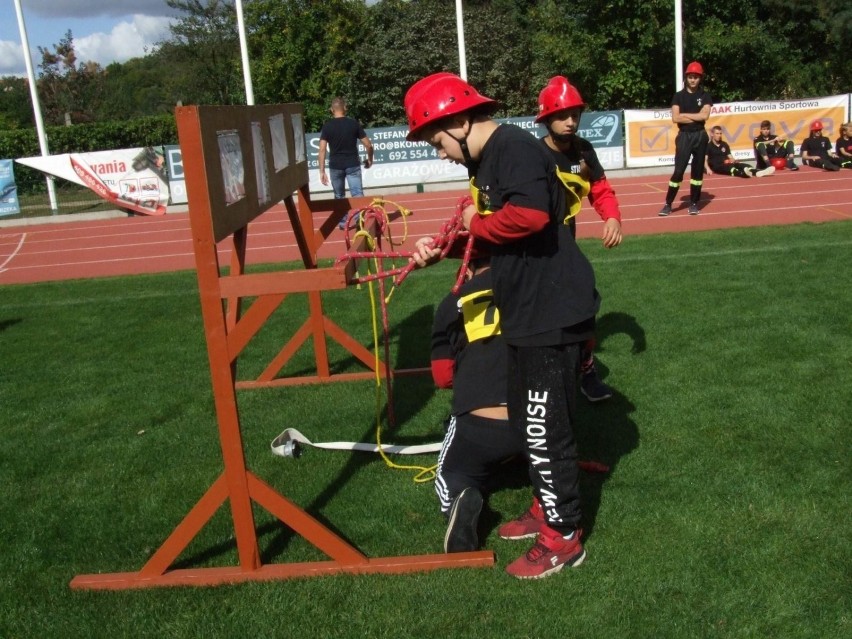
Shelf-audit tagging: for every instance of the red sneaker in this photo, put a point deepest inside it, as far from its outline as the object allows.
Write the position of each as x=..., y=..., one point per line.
x=550, y=552
x=527, y=525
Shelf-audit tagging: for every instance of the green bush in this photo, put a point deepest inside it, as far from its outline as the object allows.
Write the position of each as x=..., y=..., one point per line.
x=83, y=138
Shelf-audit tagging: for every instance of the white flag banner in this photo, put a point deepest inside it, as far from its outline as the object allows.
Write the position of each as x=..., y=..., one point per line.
x=132, y=179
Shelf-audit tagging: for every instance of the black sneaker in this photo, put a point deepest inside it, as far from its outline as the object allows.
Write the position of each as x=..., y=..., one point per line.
x=693, y=209
x=463, y=522
x=791, y=165
x=666, y=210
x=593, y=388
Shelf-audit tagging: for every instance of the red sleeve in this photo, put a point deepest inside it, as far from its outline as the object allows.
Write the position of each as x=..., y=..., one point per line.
x=442, y=372
x=508, y=224
x=603, y=199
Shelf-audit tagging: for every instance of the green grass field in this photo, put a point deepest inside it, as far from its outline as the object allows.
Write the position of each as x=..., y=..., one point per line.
x=726, y=513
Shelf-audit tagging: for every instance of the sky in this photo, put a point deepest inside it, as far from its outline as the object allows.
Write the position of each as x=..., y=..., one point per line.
x=104, y=31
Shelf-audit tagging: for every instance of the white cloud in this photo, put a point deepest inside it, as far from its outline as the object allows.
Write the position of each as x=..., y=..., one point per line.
x=11, y=58
x=126, y=40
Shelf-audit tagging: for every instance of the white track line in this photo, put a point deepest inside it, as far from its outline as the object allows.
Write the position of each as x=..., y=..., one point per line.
x=14, y=253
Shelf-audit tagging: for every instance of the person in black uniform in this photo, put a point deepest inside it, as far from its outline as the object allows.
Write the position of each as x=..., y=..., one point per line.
x=817, y=151
x=720, y=159
x=544, y=290
x=843, y=146
x=560, y=106
x=469, y=356
x=690, y=110
x=768, y=145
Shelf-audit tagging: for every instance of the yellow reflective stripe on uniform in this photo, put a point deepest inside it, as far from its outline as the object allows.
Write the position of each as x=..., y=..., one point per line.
x=577, y=188
x=478, y=199
x=696, y=182
x=674, y=185
x=481, y=318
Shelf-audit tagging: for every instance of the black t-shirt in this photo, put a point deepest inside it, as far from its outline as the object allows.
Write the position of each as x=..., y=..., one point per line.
x=692, y=103
x=819, y=146
x=569, y=161
x=846, y=145
x=543, y=284
x=342, y=135
x=717, y=156
x=466, y=329
x=772, y=149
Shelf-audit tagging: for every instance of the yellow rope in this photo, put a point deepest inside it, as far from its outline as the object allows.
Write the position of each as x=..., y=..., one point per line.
x=426, y=473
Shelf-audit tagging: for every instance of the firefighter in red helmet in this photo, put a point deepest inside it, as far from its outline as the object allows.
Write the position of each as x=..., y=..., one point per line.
x=560, y=106
x=690, y=111
x=544, y=291
x=817, y=150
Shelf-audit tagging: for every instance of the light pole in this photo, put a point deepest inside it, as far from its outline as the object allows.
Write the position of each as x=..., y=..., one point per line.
x=241, y=27
x=460, y=30
x=678, y=46
x=42, y=138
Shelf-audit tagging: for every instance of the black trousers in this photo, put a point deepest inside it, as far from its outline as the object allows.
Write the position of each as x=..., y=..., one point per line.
x=473, y=450
x=826, y=162
x=689, y=145
x=542, y=405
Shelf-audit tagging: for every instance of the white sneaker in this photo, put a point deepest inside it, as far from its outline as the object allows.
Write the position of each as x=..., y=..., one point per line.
x=769, y=170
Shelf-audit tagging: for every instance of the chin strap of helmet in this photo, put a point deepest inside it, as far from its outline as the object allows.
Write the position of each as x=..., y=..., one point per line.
x=469, y=162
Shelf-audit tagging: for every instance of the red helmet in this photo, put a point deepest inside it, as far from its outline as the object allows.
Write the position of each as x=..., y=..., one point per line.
x=694, y=67
x=816, y=125
x=558, y=95
x=437, y=96
x=779, y=163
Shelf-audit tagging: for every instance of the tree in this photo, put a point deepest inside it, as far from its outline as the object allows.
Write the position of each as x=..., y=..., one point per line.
x=68, y=89
x=201, y=60
x=304, y=51
x=16, y=109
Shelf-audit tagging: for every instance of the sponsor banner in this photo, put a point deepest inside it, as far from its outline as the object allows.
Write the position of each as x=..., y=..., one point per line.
x=8, y=189
x=651, y=133
x=177, y=178
x=397, y=161
x=133, y=179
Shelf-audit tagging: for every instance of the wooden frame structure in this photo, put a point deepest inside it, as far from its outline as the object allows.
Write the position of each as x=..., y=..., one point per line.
x=239, y=161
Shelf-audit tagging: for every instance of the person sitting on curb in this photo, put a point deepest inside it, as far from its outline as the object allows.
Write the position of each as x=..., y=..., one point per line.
x=768, y=145
x=817, y=151
x=843, y=146
x=720, y=160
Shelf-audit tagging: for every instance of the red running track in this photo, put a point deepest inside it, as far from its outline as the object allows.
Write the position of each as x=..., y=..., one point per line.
x=127, y=246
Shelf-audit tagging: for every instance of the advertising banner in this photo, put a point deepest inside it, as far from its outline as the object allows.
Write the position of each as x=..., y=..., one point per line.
x=8, y=189
x=133, y=179
x=651, y=133
x=397, y=161
x=177, y=179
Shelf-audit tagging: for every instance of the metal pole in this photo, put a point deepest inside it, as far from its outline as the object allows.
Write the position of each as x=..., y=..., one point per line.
x=42, y=138
x=678, y=46
x=460, y=30
x=241, y=27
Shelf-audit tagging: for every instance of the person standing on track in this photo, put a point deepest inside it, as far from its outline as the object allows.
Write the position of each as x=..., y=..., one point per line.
x=690, y=111
x=544, y=290
x=560, y=106
x=341, y=134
